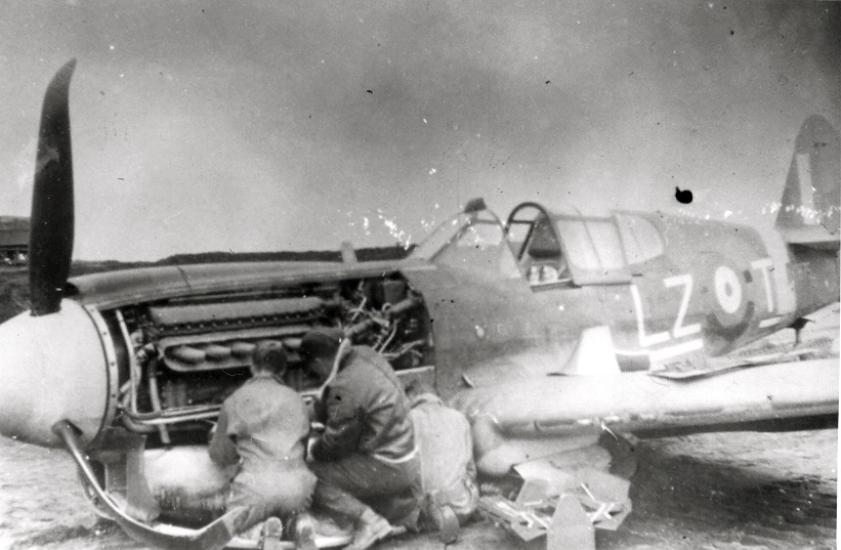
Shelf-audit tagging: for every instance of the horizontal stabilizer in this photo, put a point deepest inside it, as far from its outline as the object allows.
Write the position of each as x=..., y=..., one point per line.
x=813, y=236
x=686, y=365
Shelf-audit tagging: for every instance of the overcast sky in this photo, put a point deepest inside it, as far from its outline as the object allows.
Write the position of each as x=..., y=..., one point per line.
x=283, y=125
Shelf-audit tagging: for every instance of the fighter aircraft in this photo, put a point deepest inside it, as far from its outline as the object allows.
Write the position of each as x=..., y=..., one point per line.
x=547, y=330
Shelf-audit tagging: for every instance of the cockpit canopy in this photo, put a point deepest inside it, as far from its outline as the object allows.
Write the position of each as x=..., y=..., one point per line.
x=472, y=241
x=546, y=248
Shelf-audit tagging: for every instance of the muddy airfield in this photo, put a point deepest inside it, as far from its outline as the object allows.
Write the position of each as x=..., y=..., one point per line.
x=727, y=491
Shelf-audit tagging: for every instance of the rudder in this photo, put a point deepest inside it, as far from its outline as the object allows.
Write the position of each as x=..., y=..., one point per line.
x=811, y=200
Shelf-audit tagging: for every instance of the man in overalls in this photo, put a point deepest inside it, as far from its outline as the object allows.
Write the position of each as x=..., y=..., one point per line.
x=263, y=426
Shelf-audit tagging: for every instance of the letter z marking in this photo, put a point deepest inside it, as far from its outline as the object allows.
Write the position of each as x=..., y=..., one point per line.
x=679, y=330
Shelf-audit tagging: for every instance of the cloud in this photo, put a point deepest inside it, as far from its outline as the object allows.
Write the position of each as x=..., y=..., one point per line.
x=249, y=126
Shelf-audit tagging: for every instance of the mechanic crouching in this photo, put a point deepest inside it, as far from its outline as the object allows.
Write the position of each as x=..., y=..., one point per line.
x=366, y=460
x=263, y=426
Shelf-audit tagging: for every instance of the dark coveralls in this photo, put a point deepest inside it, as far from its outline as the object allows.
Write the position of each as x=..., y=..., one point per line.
x=367, y=454
x=264, y=423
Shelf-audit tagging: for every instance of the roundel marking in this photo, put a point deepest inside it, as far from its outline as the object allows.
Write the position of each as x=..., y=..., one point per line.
x=728, y=289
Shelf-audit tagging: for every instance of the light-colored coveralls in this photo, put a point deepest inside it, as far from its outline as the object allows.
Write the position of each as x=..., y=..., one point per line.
x=448, y=472
x=264, y=425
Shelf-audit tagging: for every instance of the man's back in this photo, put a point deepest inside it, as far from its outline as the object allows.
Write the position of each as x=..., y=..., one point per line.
x=266, y=424
x=367, y=410
x=446, y=449
x=268, y=420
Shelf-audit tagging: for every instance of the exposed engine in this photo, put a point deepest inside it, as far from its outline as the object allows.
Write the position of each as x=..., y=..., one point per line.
x=179, y=359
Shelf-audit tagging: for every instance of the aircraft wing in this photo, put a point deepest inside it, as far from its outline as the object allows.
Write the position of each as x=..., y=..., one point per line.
x=639, y=402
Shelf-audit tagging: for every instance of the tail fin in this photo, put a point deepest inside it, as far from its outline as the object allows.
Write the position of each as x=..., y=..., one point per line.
x=809, y=213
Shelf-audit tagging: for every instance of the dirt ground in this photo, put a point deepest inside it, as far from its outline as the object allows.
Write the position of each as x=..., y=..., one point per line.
x=731, y=491
x=712, y=491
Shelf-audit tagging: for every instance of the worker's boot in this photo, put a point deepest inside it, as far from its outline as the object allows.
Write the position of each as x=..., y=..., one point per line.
x=271, y=534
x=444, y=521
x=304, y=532
x=370, y=528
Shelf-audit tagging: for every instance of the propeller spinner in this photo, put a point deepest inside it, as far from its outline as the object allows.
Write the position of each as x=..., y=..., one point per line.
x=51, y=234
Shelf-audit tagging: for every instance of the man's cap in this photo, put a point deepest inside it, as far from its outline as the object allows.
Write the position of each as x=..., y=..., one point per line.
x=321, y=342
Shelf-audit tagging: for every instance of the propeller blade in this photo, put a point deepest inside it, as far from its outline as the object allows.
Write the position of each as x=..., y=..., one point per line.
x=51, y=233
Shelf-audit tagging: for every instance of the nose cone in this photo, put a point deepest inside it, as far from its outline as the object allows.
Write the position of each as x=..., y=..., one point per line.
x=52, y=368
